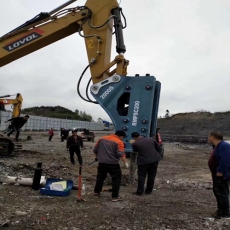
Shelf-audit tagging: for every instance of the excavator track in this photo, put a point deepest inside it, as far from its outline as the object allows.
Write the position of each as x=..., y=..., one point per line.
x=8, y=147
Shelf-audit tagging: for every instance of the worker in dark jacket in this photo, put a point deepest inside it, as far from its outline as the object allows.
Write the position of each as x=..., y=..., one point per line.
x=16, y=124
x=219, y=164
x=73, y=144
x=62, y=134
x=147, y=161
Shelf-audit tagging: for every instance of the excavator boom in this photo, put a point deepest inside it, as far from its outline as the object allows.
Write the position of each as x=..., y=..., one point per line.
x=94, y=19
x=131, y=102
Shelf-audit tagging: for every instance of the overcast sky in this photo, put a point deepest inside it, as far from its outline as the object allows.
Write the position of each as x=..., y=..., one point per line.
x=185, y=44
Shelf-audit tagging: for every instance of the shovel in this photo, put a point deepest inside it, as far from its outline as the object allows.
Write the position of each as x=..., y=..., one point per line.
x=92, y=162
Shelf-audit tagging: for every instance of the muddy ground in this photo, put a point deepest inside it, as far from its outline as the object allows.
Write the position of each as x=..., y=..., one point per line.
x=182, y=198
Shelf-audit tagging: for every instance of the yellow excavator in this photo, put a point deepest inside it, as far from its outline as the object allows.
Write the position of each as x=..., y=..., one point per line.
x=8, y=146
x=16, y=103
x=130, y=101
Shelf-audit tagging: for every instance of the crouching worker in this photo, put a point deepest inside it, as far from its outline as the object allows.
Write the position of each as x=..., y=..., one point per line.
x=109, y=150
x=16, y=124
x=73, y=144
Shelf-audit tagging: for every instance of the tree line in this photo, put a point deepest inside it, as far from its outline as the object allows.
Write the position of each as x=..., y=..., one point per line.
x=58, y=112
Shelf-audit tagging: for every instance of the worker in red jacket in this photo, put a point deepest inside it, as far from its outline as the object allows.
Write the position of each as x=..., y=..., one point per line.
x=51, y=133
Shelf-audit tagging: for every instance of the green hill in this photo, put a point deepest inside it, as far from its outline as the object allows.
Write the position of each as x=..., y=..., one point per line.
x=57, y=112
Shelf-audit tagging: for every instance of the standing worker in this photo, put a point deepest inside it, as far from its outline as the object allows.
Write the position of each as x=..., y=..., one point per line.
x=73, y=144
x=51, y=133
x=16, y=124
x=62, y=134
x=147, y=160
x=219, y=165
x=109, y=150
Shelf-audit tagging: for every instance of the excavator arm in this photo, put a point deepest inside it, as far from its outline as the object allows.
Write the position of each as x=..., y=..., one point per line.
x=131, y=102
x=94, y=19
x=16, y=103
x=7, y=146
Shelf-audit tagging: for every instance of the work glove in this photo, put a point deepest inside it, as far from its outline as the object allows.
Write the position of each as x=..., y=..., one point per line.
x=126, y=165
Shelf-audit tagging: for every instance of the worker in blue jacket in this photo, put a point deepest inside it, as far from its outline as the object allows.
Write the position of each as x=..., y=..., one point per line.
x=219, y=164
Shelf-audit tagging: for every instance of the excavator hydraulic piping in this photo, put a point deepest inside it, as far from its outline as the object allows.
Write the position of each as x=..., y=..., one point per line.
x=39, y=17
x=5, y=96
x=120, y=48
x=61, y=7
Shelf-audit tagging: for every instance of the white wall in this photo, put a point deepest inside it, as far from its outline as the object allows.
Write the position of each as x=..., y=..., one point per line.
x=44, y=123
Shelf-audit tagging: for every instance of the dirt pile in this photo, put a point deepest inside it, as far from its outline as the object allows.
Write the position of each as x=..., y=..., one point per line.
x=182, y=198
x=197, y=124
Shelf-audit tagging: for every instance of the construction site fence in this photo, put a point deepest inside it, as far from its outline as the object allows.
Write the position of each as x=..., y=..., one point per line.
x=38, y=123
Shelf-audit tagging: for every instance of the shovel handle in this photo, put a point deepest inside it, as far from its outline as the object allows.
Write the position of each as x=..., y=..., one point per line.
x=92, y=162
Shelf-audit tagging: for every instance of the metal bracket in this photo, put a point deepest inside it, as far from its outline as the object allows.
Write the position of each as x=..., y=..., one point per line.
x=96, y=87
